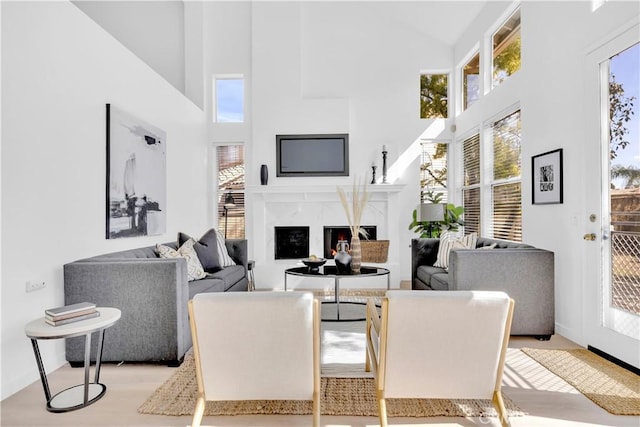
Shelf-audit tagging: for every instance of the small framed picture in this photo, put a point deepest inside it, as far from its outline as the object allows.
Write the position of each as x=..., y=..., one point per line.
x=546, y=177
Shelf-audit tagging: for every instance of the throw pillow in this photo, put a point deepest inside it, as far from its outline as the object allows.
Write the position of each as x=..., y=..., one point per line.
x=206, y=248
x=449, y=241
x=225, y=259
x=194, y=267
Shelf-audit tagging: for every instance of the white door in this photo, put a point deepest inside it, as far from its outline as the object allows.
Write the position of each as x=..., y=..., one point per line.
x=612, y=231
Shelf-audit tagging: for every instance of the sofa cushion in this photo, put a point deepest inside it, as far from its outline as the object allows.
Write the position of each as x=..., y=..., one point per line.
x=424, y=273
x=206, y=248
x=440, y=282
x=207, y=284
x=194, y=267
x=449, y=241
x=229, y=275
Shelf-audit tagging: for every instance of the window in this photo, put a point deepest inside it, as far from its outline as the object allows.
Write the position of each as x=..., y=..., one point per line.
x=229, y=99
x=434, y=96
x=433, y=169
x=506, y=49
x=230, y=161
x=493, y=202
x=471, y=184
x=506, y=194
x=471, y=82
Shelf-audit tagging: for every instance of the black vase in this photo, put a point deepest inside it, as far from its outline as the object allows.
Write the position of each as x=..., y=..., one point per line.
x=264, y=174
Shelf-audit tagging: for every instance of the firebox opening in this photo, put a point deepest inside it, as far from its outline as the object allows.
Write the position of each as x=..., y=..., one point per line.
x=334, y=233
x=291, y=242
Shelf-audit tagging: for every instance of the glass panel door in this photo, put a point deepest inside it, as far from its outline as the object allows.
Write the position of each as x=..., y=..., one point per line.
x=612, y=196
x=622, y=252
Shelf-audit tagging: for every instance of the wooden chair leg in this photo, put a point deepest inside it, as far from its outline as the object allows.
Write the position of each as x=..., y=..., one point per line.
x=498, y=402
x=316, y=410
x=199, y=411
x=382, y=408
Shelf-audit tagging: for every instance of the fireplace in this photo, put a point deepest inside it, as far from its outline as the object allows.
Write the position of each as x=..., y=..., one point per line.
x=291, y=242
x=334, y=233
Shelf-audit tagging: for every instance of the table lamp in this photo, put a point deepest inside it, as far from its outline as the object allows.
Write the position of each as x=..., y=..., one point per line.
x=431, y=212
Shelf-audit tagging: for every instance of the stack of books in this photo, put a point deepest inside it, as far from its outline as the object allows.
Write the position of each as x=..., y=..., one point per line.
x=70, y=313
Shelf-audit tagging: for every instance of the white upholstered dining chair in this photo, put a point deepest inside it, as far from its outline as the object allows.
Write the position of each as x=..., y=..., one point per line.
x=439, y=345
x=256, y=346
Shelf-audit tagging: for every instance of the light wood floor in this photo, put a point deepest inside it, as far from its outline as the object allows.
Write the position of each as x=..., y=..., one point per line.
x=548, y=400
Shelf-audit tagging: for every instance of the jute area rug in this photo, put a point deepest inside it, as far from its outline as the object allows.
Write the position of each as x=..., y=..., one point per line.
x=346, y=389
x=611, y=387
x=340, y=396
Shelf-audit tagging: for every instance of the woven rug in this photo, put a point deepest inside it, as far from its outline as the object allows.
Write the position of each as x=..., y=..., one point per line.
x=340, y=396
x=611, y=387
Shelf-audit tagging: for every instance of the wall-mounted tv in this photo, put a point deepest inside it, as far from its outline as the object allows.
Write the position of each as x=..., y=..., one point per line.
x=312, y=155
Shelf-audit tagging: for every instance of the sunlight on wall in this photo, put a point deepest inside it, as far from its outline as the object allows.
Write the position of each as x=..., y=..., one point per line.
x=414, y=150
x=595, y=4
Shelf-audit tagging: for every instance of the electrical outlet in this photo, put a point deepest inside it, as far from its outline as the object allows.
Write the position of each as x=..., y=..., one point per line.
x=34, y=286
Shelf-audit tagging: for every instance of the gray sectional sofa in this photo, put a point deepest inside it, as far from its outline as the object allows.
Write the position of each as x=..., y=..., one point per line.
x=152, y=293
x=524, y=272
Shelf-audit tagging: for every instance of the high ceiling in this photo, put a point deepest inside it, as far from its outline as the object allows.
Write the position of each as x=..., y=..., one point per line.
x=443, y=20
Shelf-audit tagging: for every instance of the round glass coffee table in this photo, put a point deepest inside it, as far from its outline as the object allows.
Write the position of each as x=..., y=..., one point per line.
x=330, y=271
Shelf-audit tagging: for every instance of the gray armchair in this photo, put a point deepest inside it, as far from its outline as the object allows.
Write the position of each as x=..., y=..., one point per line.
x=524, y=272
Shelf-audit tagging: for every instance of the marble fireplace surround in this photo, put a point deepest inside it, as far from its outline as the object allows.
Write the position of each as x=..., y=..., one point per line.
x=315, y=206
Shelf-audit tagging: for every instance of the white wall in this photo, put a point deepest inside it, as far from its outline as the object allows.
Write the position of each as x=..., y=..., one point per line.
x=59, y=69
x=556, y=38
x=325, y=67
x=153, y=30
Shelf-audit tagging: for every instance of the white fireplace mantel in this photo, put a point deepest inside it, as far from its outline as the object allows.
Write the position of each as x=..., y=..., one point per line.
x=268, y=191
x=314, y=206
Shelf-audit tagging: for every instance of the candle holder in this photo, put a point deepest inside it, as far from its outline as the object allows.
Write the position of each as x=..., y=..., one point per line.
x=384, y=165
x=373, y=174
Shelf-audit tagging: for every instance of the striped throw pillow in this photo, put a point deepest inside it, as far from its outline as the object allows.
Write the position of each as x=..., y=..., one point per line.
x=223, y=254
x=449, y=241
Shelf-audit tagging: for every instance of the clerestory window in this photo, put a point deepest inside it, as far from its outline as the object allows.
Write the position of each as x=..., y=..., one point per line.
x=471, y=82
x=434, y=96
x=228, y=96
x=506, y=49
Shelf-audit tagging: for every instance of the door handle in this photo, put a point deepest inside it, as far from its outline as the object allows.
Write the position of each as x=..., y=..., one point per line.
x=589, y=236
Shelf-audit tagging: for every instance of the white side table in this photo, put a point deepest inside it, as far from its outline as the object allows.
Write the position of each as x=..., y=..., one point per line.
x=81, y=395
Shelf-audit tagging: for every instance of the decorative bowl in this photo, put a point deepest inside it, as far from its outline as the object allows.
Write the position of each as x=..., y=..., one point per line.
x=314, y=264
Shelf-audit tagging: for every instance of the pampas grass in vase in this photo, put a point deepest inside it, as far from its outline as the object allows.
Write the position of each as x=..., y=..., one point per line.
x=354, y=211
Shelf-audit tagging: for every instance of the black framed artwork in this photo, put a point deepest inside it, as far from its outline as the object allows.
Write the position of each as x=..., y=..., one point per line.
x=136, y=176
x=546, y=178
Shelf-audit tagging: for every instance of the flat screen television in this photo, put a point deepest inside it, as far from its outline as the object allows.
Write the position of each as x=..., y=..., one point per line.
x=312, y=155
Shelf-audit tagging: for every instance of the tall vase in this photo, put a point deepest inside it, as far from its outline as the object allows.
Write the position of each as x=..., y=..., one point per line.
x=356, y=254
x=264, y=174
x=342, y=257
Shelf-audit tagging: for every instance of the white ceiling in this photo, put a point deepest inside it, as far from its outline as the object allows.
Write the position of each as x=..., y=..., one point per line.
x=443, y=20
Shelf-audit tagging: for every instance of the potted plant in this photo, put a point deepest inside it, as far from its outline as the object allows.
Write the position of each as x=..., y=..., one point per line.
x=452, y=218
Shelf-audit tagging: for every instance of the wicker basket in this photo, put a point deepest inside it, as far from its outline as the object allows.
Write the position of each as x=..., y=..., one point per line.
x=374, y=250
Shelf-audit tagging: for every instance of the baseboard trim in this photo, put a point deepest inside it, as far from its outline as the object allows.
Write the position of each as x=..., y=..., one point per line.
x=615, y=360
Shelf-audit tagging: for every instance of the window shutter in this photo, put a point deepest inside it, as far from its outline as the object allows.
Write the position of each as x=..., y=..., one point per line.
x=506, y=188
x=230, y=161
x=507, y=211
x=471, y=184
x=471, y=204
x=506, y=147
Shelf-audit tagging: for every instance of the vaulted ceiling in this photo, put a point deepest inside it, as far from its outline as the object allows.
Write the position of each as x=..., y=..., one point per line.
x=443, y=20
